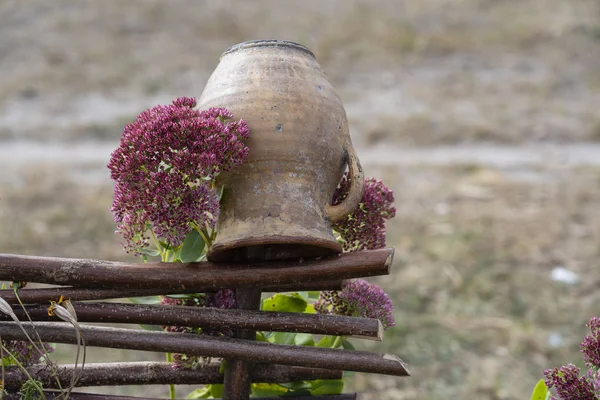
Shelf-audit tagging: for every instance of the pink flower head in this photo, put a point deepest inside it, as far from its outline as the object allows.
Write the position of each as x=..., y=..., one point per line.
x=590, y=347
x=365, y=227
x=358, y=298
x=568, y=384
x=25, y=352
x=161, y=167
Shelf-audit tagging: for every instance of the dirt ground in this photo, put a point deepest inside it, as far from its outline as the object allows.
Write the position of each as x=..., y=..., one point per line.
x=482, y=115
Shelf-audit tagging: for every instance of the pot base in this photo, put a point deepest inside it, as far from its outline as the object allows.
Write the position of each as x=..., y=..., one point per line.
x=271, y=249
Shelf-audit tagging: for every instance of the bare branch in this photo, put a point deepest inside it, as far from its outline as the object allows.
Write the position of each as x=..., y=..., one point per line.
x=222, y=347
x=194, y=276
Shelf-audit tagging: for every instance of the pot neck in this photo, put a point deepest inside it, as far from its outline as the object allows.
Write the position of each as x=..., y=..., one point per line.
x=285, y=44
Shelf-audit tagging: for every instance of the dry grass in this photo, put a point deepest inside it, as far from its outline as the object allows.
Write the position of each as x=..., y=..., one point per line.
x=468, y=68
x=476, y=305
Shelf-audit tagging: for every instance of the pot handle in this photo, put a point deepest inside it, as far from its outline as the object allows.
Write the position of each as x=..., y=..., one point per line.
x=357, y=183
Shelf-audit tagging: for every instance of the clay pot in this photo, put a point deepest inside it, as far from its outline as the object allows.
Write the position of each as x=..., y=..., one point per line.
x=277, y=204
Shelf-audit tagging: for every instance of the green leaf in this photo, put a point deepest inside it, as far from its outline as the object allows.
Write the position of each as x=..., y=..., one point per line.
x=155, y=328
x=347, y=345
x=540, y=392
x=285, y=303
x=327, y=387
x=146, y=300
x=283, y=338
x=216, y=390
x=297, y=386
x=262, y=336
x=314, y=295
x=304, y=339
x=304, y=295
x=177, y=255
x=201, y=393
x=150, y=252
x=164, y=245
x=192, y=247
x=268, y=389
x=187, y=296
x=324, y=342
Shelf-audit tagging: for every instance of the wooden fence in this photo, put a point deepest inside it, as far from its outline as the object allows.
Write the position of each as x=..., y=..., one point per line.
x=248, y=361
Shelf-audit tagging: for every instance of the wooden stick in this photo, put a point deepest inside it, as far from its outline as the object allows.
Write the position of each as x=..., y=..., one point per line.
x=238, y=372
x=210, y=346
x=51, y=395
x=207, y=317
x=45, y=295
x=193, y=276
x=156, y=373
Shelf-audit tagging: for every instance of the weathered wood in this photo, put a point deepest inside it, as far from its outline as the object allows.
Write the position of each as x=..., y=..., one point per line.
x=45, y=295
x=222, y=347
x=155, y=373
x=92, y=396
x=194, y=276
x=207, y=317
x=238, y=372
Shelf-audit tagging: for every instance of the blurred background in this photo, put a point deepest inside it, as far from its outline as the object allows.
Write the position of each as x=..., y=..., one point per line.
x=482, y=115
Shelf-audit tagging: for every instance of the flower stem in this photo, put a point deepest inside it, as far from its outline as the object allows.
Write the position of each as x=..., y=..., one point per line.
x=172, y=395
x=337, y=342
x=41, y=348
x=162, y=252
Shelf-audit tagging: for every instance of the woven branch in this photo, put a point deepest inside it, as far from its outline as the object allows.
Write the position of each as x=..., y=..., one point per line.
x=207, y=317
x=194, y=276
x=91, y=396
x=45, y=295
x=156, y=373
x=209, y=346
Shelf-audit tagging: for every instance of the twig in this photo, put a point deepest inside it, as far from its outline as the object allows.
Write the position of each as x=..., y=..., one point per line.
x=215, y=347
x=158, y=373
x=45, y=295
x=207, y=317
x=92, y=396
x=193, y=276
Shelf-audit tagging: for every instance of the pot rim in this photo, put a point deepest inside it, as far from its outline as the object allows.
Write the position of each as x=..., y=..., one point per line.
x=267, y=43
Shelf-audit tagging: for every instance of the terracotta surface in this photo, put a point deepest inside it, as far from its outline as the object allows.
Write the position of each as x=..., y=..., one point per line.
x=279, y=199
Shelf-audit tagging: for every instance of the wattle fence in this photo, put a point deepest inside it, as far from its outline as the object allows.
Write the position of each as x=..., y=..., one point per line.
x=248, y=361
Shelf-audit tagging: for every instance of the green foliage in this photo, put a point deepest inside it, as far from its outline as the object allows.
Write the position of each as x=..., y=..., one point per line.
x=320, y=387
x=200, y=393
x=192, y=248
x=304, y=339
x=145, y=300
x=268, y=389
x=285, y=303
x=540, y=392
x=32, y=390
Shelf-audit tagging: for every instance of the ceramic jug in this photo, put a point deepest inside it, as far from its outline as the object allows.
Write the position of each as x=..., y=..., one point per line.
x=277, y=204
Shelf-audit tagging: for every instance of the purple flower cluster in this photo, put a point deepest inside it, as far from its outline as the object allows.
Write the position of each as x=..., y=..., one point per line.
x=590, y=347
x=365, y=227
x=358, y=298
x=162, y=166
x=224, y=299
x=569, y=385
x=25, y=352
x=566, y=380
